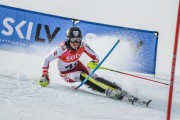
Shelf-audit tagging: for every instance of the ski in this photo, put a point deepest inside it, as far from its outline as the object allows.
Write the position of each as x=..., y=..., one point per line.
x=136, y=101
x=142, y=102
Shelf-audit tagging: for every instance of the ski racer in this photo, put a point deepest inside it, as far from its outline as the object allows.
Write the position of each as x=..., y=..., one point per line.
x=71, y=69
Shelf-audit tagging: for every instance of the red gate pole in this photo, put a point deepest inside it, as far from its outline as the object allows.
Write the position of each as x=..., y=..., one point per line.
x=173, y=65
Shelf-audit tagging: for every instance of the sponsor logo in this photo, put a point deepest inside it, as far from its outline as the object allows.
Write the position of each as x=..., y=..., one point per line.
x=24, y=30
x=75, y=33
x=73, y=57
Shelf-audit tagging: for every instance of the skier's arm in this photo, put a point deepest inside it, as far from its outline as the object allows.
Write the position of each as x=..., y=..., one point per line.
x=91, y=53
x=44, y=80
x=50, y=57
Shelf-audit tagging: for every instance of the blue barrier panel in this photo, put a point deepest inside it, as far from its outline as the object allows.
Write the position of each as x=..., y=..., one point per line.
x=32, y=32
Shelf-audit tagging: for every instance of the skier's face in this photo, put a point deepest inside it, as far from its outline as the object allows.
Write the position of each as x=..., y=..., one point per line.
x=75, y=42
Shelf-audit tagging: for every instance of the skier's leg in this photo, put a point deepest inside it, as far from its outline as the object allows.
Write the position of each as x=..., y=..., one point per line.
x=71, y=77
x=114, y=85
x=112, y=90
x=92, y=83
x=103, y=86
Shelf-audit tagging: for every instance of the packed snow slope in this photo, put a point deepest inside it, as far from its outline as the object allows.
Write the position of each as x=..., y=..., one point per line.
x=21, y=98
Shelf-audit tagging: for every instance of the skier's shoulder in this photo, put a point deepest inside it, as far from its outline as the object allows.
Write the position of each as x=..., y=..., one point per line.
x=84, y=44
x=62, y=45
x=58, y=50
x=87, y=47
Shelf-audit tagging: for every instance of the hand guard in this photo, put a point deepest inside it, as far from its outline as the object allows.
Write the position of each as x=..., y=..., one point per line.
x=92, y=64
x=44, y=81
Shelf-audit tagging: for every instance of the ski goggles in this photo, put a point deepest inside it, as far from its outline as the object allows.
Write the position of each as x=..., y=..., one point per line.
x=77, y=40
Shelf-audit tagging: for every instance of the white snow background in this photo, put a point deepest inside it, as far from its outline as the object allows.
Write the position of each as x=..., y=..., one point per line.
x=21, y=98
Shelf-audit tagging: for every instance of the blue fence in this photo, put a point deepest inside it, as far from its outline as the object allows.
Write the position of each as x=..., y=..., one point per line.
x=28, y=29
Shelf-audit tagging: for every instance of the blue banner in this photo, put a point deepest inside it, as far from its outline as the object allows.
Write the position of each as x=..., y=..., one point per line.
x=27, y=30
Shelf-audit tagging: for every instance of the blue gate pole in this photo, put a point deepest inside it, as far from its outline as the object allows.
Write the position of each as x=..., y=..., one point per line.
x=98, y=65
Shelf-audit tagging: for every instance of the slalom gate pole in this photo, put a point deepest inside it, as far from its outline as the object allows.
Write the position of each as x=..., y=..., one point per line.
x=85, y=80
x=133, y=75
x=173, y=65
x=129, y=74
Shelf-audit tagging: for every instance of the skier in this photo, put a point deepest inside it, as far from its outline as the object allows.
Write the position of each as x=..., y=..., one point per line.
x=71, y=69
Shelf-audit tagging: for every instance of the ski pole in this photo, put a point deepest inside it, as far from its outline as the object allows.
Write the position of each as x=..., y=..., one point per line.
x=104, y=68
x=97, y=65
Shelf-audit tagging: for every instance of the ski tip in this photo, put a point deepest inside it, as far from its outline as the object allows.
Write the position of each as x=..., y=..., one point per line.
x=148, y=103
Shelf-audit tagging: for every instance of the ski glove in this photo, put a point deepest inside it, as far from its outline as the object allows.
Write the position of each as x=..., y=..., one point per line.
x=44, y=80
x=92, y=64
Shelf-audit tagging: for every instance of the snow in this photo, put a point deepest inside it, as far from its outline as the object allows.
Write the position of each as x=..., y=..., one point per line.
x=21, y=98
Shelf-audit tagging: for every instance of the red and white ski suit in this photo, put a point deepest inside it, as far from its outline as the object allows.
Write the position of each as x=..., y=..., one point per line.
x=68, y=62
